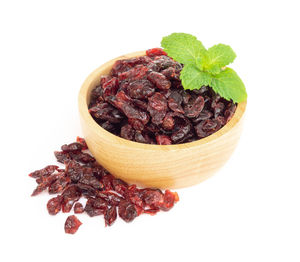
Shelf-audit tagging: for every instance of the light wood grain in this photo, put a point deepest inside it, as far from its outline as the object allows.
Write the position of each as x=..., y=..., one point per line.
x=172, y=166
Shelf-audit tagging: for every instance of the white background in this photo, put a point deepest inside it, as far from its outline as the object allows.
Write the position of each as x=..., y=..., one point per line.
x=249, y=211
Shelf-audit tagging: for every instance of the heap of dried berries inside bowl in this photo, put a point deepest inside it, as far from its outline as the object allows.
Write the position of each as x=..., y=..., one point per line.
x=83, y=178
x=177, y=95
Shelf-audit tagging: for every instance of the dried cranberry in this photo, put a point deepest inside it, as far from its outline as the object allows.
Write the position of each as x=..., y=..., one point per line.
x=110, y=215
x=152, y=197
x=155, y=52
x=157, y=108
x=95, y=207
x=181, y=133
x=47, y=171
x=73, y=147
x=168, y=122
x=138, y=72
x=127, y=211
x=194, y=108
x=127, y=132
x=159, y=80
x=54, y=205
x=168, y=200
x=163, y=140
x=141, y=89
x=72, y=224
x=78, y=208
x=82, y=142
x=174, y=102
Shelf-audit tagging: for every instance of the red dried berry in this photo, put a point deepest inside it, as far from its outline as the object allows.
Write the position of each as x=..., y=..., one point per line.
x=127, y=211
x=82, y=142
x=78, y=208
x=72, y=224
x=110, y=216
x=46, y=171
x=163, y=140
x=54, y=205
x=157, y=108
x=159, y=80
x=169, y=200
x=155, y=52
x=73, y=147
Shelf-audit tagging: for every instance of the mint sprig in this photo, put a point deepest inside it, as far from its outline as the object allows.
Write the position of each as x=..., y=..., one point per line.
x=205, y=67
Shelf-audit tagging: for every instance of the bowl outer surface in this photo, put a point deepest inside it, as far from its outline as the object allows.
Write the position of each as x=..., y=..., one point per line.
x=172, y=166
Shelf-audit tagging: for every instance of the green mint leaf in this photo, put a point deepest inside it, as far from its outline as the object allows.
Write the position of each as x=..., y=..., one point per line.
x=192, y=78
x=229, y=86
x=217, y=57
x=183, y=48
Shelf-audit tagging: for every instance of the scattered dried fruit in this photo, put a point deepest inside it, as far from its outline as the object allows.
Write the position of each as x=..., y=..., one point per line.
x=105, y=194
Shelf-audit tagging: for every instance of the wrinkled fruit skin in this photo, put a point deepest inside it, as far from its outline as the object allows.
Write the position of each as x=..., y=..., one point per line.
x=106, y=195
x=142, y=100
x=72, y=224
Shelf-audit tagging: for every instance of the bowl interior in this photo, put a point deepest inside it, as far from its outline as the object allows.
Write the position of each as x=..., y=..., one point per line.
x=94, y=80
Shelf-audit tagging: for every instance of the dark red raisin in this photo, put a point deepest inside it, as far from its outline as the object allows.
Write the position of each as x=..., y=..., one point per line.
x=78, y=208
x=72, y=224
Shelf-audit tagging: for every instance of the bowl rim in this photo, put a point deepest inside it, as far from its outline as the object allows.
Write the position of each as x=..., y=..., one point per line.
x=86, y=116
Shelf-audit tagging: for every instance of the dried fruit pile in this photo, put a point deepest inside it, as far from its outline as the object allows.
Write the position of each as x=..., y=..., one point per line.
x=105, y=194
x=142, y=100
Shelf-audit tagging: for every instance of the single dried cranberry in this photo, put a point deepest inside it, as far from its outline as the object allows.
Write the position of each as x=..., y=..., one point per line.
x=152, y=197
x=95, y=207
x=127, y=211
x=218, y=109
x=72, y=224
x=59, y=185
x=105, y=111
x=120, y=66
x=113, y=199
x=82, y=142
x=204, y=115
x=228, y=114
x=73, y=147
x=163, y=140
x=159, y=80
x=171, y=73
x=155, y=52
x=177, y=136
x=141, y=89
x=138, y=72
x=47, y=171
x=62, y=157
x=122, y=101
x=157, y=108
x=168, y=200
x=194, y=108
x=168, y=122
x=78, y=208
x=110, y=215
x=164, y=62
x=174, y=102
x=136, y=124
x=54, y=205
x=120, y=186
x=110, y=87
x=127, y=132
x=139, y=137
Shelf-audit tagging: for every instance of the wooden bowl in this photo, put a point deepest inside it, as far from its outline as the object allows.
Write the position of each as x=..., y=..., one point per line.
x=162, y=166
